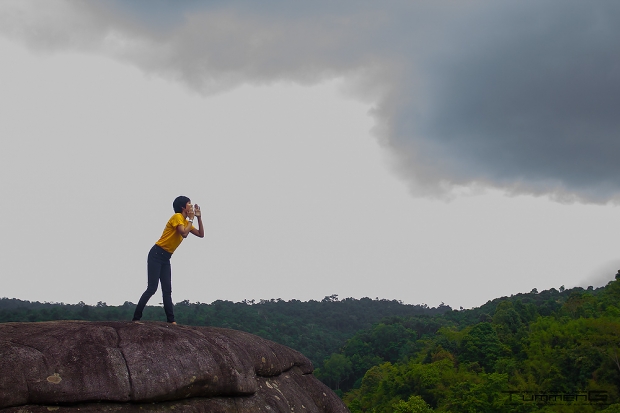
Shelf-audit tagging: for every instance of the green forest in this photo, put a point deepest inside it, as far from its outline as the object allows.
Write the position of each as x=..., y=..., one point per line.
x=551, y=351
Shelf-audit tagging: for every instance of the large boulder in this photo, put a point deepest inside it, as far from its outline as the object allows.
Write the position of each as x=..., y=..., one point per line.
x=130, y=367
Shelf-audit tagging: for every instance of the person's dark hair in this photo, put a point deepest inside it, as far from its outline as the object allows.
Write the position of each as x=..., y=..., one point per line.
x=179, y=203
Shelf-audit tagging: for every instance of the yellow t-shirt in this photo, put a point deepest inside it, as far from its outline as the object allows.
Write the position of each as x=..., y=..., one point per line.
x=170, y=239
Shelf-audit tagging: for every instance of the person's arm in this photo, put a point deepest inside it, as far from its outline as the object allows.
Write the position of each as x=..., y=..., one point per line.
x=200, y=232
x=184, y=230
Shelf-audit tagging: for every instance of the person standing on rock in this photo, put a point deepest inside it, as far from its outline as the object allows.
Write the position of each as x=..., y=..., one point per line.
x=178, y=227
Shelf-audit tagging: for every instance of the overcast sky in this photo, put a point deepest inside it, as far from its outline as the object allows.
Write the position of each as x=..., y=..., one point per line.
x=438, y=151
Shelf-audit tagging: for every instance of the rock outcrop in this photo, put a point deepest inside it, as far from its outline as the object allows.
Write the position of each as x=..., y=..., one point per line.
x=67, y=366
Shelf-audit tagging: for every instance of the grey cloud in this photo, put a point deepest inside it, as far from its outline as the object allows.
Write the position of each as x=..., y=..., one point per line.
x=516, y=95
x=530, y=106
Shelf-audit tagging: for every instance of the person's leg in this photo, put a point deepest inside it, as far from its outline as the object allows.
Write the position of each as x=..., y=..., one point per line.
x=154, y=267
x=166, y=291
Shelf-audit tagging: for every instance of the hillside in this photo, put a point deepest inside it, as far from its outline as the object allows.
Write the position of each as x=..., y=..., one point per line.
x=553, y=351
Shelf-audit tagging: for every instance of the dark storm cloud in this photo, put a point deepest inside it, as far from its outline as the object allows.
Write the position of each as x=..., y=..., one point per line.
x=522, y=96
x=526, y=98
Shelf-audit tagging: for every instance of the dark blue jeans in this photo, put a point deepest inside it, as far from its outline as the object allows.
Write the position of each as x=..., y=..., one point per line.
x=158, y=266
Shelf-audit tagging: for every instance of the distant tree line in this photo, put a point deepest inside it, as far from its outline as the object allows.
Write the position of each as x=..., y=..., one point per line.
x=315, y=328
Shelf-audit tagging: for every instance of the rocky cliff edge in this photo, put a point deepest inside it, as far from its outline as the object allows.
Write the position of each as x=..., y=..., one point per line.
x=150, y=366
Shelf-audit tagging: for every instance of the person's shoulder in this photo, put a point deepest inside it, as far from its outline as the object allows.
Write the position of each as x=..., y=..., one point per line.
x=177, y=219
